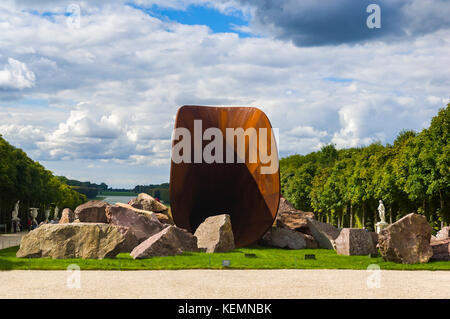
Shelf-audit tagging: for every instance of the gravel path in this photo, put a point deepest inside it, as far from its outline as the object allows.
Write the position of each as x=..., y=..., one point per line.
x=225, y=284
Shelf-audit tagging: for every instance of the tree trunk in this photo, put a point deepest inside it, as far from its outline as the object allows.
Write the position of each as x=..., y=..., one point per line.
x=375, y=219
x=351, y=214
x=442, y=212
x=363, y=216
x=390, y=215
x=425, y=212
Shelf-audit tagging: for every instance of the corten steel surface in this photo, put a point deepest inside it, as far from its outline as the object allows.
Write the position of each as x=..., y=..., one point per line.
x=200, y=190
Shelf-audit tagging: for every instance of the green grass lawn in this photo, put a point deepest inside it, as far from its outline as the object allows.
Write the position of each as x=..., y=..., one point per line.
x=266, y=258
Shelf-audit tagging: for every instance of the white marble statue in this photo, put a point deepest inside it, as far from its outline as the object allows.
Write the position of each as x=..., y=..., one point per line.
x=381, y=212
x=34, y=214
x=55, y=215
x=15, y=212
x=15, y=220
x=47, y=215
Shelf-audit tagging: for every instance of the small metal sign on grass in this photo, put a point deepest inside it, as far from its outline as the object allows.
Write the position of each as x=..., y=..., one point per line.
x=311, y=256
x=226, y=263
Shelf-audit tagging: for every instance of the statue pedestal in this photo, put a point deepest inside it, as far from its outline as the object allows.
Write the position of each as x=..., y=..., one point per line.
x=380, y=226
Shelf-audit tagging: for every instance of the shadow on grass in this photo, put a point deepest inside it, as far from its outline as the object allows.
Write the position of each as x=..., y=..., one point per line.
x=12, y=265
x=8, y=260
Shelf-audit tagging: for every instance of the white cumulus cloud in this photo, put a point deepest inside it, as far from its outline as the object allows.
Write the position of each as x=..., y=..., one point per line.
x=16, y=75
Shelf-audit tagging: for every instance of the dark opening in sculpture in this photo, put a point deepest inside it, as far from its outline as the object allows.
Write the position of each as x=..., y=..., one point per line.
x=200, y=190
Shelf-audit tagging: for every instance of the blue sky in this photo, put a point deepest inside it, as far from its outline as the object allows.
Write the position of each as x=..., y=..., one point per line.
x=199, y=15
x=96, y=100
x=335, y=79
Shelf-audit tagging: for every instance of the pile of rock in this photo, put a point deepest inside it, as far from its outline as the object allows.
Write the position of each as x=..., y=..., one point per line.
x=99, y=230
x=405, y=241
x=145, y=229
x=290, y=218
x=147, y=203
x=296, y=229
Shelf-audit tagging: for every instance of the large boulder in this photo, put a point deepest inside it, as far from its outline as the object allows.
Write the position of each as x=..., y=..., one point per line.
x=93, y=211
x=137, y=226
x=74, y=240
x=165, y=219
x=444, y=233
x=170, y=241
x=325, y=234
x=146, y=202
x=355, y=241
x=147, y=213
x=215, y=234
x=311, y=243
x=441, y=249
x=407, y=240
x=67, y=216
x=291, y=218
x=287, y=238
x=285, y=205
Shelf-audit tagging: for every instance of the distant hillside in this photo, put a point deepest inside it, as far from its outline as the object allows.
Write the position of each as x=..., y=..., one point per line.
x=89, y=189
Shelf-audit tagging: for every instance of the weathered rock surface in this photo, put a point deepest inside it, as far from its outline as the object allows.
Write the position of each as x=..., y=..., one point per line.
x=72, y=240
x=355, y=241
x=444, y=233
x=441, y=249
x=168, y=242
x=147, y=213
x=163, y=218
x=325, y=234
x=311, y=243
x=407, y=240
x=93, y=211
x=291, y=218
x=136, y=227
x=286, y=238
x=285, y=205
x=67, y=216
x=146, y=202
x=215, y=234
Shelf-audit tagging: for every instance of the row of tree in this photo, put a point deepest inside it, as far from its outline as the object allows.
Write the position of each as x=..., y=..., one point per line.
x=160, y=191
x=90, y=190
x=343, y=187
x=23, y=179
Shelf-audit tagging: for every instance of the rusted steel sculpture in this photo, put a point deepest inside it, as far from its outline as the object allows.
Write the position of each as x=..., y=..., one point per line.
x=246, y=190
